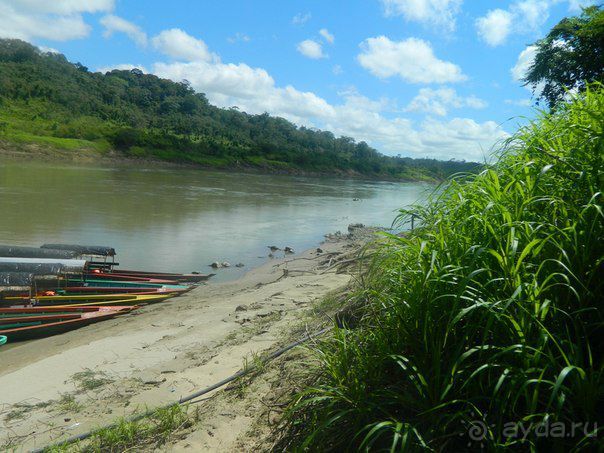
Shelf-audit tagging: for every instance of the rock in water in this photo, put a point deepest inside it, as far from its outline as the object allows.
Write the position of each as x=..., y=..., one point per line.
x=226, y=264
x=239, y=265
x=215, y=265
x=288, y=250
x=273, y=248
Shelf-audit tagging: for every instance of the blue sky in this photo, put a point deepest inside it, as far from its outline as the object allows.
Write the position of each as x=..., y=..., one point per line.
x=420, y=78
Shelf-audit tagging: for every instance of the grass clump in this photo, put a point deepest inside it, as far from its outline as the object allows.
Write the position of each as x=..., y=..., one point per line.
x=68, y=404
x=90, y=380
x=149, y=432
x=21, y=410
x=483, y=328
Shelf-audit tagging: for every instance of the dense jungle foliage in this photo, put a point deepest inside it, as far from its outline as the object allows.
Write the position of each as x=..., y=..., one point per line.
x=46, y=99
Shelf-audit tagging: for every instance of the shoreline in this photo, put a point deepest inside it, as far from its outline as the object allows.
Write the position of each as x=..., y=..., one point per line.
x=26, y=151
x=162, y=352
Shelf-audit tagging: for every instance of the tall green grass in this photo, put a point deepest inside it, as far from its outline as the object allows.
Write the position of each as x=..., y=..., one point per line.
x=485, y=326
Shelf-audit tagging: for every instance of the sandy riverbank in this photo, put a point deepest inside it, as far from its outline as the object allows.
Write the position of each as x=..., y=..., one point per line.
x=64, y=385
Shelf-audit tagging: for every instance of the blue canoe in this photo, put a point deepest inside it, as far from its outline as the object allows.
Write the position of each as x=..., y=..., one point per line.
x=123, y=284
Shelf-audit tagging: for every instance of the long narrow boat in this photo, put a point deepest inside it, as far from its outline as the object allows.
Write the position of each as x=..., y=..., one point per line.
x=193, y=278
x=116, y=276
x=89, y=300
x=124, y=284
x=28, y=329
x=11, y=311
x=84, y=290
x=11, y=317
x=83, y=250
x=43, y=266
x=83, y=298
x=114, y=290
x=2, y=340
x=16, y=251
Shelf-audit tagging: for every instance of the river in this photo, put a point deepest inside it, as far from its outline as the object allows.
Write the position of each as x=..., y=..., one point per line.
x=182, y=219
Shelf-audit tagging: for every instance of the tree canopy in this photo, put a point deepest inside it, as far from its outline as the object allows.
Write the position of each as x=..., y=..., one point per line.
x=44, y=95
x=569, y=57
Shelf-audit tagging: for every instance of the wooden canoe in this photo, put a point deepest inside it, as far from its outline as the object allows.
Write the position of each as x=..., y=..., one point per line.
x=79, y=297
x=83, y=290
x=117, y=290
x=124, y=284
x=12, y=317
x=89, y=301
x=129, y=278
x=162, y=275
x=28, y=330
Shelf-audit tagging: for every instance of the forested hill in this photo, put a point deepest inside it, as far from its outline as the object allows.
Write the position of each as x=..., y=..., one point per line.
x=47, y=100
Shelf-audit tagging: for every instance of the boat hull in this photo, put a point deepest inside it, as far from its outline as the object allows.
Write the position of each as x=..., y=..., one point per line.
x=90, y=301
x=55, y=327
x=192, y=278
x=124, y=284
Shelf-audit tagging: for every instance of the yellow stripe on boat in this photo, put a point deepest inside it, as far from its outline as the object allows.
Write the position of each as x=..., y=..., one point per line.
x=85, y=297
x=138, y=300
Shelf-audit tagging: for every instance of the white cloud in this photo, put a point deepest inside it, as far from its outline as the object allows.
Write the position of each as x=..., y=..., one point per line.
x=122, y=67
x=181, y=46
x=56, y=20
x=459, y=138
x=327, y=36
x=475, y=103
x=495, y=27
x=522, y=66
x=432, y=12
x=530, y=15
x=354, y=99
x=64, y=7
x=337, y=69
x=311, y=49
x=518, y=102
x=301, y=18
x=412, y=59
x=524, y=62
x=45, y=49
x=522, y=17
x=115, y=24
x=238, y=37
x=439, y=101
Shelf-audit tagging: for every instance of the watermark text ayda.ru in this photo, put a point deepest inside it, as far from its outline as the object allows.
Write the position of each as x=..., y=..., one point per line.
x=479, y=430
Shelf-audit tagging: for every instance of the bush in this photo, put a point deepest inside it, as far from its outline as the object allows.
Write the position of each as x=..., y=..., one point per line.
x=124, y=139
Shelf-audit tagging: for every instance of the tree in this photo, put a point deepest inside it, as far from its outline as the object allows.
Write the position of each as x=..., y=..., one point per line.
x=569, y=57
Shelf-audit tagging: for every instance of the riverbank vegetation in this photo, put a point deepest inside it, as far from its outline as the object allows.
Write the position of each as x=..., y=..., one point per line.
x=483, y=327
x=45, y=100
